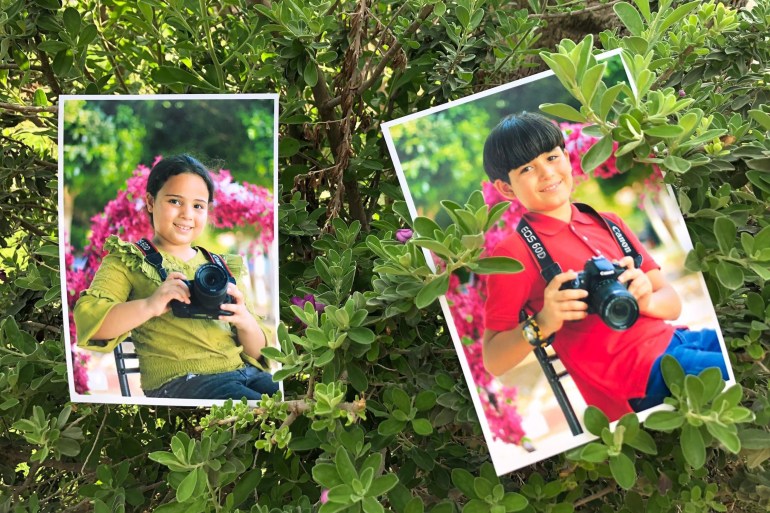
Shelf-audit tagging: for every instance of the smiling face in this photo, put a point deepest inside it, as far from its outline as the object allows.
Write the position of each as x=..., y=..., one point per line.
x=179, y=213
x=543, y=185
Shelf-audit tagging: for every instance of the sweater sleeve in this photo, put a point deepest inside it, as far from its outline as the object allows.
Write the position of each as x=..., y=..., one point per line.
x=111, y=286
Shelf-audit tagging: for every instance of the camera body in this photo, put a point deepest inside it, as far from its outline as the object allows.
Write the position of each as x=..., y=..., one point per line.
x=607, y=297
x=208, y=292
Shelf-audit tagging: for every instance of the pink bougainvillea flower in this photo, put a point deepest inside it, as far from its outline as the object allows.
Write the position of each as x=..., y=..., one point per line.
x=309, y=298
x=403, y=235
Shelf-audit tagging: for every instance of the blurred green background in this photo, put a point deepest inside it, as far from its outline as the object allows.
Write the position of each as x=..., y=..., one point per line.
x=105, y=140
x=441, y=153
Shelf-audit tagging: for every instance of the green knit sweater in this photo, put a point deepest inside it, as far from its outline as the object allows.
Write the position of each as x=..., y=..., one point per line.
x=167, y=346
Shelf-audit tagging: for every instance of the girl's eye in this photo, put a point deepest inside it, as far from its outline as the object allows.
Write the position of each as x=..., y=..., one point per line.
x=553, y=157
x=201, y=207
x=174, y=201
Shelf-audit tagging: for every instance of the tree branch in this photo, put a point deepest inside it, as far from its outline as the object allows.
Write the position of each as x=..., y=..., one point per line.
x=28, y=109
x=556, y=15
x=392, y=51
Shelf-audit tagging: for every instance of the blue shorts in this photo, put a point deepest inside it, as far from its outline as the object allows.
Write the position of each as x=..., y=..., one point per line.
x=248, y=382
x=695, y=351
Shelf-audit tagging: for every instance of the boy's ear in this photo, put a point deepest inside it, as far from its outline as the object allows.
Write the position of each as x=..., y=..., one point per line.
x=504, y=188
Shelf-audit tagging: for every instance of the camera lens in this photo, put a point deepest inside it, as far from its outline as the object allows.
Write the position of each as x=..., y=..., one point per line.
x=616, y=306
x=210, y=289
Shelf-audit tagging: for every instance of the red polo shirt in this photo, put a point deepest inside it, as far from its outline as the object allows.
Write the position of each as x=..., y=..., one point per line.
x=609, y=367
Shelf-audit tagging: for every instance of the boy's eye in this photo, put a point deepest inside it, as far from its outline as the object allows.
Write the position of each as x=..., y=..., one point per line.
x=526, y=168
x=553, y=157
x=174, y=201
x=201, y=207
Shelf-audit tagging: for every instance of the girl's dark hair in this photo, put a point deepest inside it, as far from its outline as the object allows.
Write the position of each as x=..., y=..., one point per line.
x=177, y=165
x=516, y=140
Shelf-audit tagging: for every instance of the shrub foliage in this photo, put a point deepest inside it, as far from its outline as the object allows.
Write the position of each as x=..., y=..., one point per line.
x=377, y=415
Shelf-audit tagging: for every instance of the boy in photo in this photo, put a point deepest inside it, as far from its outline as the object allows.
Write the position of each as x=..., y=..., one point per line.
x=611, y=341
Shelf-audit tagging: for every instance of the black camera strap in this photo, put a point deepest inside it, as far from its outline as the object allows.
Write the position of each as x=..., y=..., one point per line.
x=155, y=259
x=549, y=268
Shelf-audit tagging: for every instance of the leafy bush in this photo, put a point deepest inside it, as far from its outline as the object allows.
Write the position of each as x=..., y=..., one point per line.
x=377, y=411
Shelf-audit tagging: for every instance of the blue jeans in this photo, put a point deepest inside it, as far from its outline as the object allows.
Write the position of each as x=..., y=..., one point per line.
x=248, y=382
x=695, y=351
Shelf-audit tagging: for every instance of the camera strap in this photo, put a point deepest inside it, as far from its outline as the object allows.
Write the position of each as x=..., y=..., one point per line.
x=155, y=259
x=549, y=268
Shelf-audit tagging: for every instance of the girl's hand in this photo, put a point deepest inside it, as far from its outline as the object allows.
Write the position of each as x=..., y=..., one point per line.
x=639, y=284
x=241, y=318
x=173, y=288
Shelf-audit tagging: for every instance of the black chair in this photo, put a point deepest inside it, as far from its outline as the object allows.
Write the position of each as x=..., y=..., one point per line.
x=123, y=370
x=546, y=362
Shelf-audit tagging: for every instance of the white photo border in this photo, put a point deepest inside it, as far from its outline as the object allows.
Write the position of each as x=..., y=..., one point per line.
x=274, y=274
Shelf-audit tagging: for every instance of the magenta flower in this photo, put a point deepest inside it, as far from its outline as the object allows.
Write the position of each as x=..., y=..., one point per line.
x=309, y=298
x=682, y=93
x=325, y=496
x=404, y=235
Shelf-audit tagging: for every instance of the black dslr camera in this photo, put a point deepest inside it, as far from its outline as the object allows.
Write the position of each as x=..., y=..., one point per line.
x=607, y=297
x=208, y=292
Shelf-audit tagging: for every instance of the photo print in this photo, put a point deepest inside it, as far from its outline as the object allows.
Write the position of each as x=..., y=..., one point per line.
x=167, y=217
x=602, y=334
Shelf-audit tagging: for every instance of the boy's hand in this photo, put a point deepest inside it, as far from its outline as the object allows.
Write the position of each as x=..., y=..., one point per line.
x=241, y=318
x=173, y=288
x=639, y=284
x=561, y=305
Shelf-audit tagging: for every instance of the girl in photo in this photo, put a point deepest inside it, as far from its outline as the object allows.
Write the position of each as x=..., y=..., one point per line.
x=184, y=350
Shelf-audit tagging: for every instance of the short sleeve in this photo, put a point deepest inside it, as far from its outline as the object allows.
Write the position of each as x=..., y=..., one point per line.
x=110, y=286
x=507, y=294
x=648, y=263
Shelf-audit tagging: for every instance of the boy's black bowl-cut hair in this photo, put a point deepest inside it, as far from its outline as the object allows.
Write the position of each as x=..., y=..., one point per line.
x=516, y=140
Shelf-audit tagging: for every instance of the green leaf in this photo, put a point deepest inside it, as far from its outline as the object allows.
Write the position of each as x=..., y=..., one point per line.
x=172, y=75
x=673, y=374
x=245, y=485
x=608, y=100
x=754, y=439
x=594, y=452
x=729, y=275
x=310, y=74
x=476, y=506
x=664, y=131
x=422, y=426
x=664, y=420
x=643, y=442
x=591, y=80
x=382, y=485
x=761, y=117
x=62, y=62
x=564, y=111
x=463, y=480
x=727, y=435
x=725, y=230
x=496, y=265
x=676, y=164
x=694, y=388
x=595, y=420
x=759, y=164
x=326, y=475
x=361, y=335
x=679, y=13
x=187, y=487
x=345, y=468
x=430, y=292
x=597, y=154
x=644, y=8
x=71, y=18
x=623, y=470
x=630, y=18
x=514, y=501
x=693, y=447
x=425, y=227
